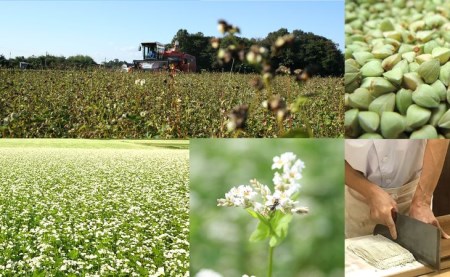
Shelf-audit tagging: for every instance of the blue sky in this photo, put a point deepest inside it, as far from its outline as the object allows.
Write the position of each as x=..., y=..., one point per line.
x=114, y=29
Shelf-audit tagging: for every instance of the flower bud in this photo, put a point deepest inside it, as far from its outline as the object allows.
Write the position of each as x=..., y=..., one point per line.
x=238, y=117
x=222, y=26
x=215, y=43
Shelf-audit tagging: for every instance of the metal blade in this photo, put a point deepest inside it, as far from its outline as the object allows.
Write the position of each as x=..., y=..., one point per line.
x=421, y=239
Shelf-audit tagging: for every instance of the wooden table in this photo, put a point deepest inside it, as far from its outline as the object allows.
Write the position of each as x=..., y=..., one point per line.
x=355, y=266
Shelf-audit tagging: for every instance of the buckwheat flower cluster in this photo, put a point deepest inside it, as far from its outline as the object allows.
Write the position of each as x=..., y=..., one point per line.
x=241, y=196
x=259, y=197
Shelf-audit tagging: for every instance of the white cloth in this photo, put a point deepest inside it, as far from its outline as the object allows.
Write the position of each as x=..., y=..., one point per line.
x=387, y=163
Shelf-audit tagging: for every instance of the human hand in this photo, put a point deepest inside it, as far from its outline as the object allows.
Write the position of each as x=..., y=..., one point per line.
x=382, y=207
x=424, y=213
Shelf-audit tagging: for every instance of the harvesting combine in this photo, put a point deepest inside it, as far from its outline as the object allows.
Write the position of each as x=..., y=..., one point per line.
x=156, y=58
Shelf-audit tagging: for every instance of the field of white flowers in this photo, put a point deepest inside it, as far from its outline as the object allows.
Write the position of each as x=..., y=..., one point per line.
x=94, y=208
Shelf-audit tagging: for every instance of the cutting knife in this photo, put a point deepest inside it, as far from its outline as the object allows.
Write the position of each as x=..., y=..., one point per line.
x=421, y=239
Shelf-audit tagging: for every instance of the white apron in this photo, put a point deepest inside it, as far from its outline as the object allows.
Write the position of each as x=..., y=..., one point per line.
x=357, y=212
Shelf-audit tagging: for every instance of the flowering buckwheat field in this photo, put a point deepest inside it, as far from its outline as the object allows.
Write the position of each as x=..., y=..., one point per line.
x=90, y=208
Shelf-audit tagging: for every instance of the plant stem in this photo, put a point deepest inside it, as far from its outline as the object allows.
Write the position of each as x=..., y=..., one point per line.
x=269, y=271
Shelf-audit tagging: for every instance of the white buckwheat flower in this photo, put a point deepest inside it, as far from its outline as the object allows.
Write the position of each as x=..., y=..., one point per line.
x=280, y=201
x=242, y=196
x=207, y=273
x=258, y=207
x=262, y=189
x=283, y=160
x=286, y=185
x=287, y=181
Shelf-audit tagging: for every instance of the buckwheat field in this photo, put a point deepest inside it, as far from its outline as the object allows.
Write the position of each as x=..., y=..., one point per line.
x=104, y=104
x=94, y=208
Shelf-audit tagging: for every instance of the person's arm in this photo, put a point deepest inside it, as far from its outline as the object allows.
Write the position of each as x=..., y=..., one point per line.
x=433, y=162
x=380, y=202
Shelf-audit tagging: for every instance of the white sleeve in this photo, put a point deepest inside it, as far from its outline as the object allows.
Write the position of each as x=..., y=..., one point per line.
x=357, y=154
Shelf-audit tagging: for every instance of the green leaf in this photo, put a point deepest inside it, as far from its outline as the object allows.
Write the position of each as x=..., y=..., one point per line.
x=38, y=273
x=262, y=232
x=299, y=103
x=252, y=213
x=280, y=224
x=257, y=216
x=143, y=271
x=282, y=228
x=73, y=254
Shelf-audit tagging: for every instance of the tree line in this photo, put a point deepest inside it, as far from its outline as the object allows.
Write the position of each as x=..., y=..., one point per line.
x=49, y=62
x=317, y=53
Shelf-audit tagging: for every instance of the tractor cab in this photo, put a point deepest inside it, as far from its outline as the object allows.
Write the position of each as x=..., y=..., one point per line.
x=156, y=58
x=152, y=50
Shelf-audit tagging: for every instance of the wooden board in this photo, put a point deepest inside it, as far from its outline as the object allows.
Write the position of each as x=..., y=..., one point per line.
x=355, y=266
x=443, y=272
x=444, y=221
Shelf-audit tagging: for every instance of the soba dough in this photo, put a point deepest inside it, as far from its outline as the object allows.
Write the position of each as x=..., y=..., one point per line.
x=380, y=252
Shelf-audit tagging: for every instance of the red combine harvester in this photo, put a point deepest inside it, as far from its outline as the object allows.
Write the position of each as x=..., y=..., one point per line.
x=156, y=58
